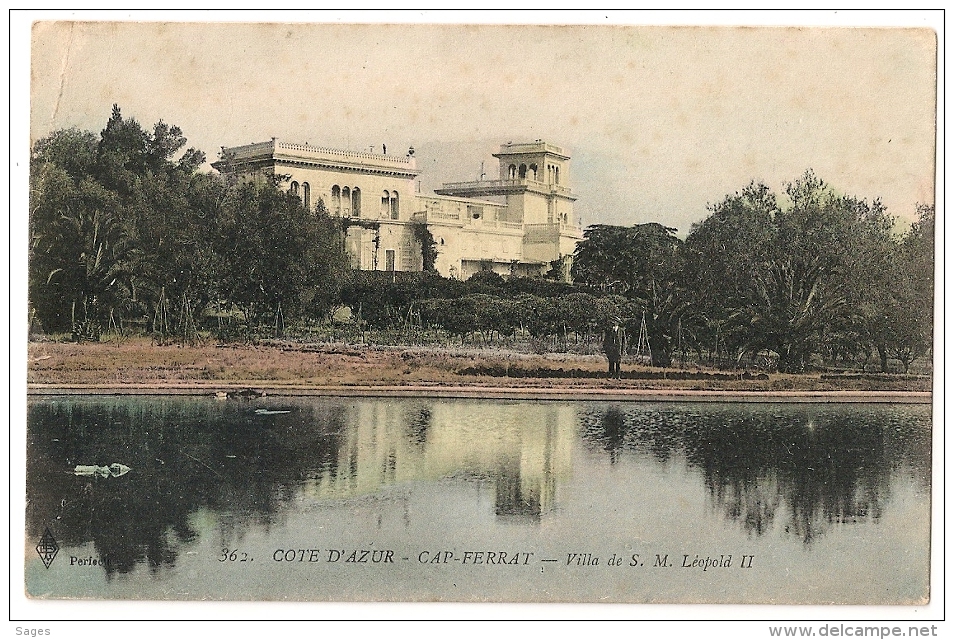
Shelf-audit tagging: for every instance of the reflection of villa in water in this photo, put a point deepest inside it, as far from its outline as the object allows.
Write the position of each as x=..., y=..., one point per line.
x=221, y=474
x=523, y=453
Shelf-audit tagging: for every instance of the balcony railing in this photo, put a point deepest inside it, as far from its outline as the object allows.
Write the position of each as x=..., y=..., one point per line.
x=432, y=214
x=504, y=185
x=551, y=227
x=484, y=184
x=496, y=224
x=274, y=146
x=309, y=150
x=532, y=147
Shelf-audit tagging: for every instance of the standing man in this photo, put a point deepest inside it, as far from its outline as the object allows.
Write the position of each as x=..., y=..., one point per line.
x=613, y=344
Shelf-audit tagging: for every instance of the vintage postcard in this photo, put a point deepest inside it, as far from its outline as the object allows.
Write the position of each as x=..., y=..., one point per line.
x=587, y=312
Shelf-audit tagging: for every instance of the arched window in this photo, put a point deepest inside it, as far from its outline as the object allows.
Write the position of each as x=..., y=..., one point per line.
x=336, y=200
x=556, y=174
x=356, y=202
x=513, y=171
x=533, y=172
x=386, y=204
x=294, y=188
x=346, y=202
x=522, y=173
x=394, y=206
x=306, y=195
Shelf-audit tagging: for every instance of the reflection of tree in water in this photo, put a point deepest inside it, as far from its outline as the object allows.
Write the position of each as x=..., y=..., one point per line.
x=185, y=456
x=647, y=431
x=826, y=466
x=816, y=465
x=613, y=431
x=829, y=470
x=418, y=422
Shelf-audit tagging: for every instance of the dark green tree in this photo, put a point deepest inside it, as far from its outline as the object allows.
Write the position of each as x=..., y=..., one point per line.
x=722, y=256
x=114, y=231
x=280, y=262
x=641, y=263
x=80, y=258
x=909, y=319
x=428, y=245
x=799, y=280
x=822, y=276
x=159, y=188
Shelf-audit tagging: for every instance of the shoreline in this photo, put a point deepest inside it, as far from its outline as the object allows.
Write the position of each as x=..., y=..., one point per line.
x=473, y=392
x=137, y=367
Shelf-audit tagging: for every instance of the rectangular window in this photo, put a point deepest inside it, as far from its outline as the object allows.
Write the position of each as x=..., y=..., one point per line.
x=389, y=259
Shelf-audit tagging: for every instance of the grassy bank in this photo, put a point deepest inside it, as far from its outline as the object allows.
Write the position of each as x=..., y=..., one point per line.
x=140, y=362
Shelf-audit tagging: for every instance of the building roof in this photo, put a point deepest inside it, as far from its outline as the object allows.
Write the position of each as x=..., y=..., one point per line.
x=275, y=150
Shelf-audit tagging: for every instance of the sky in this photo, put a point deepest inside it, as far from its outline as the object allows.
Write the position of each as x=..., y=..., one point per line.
x=660, y=121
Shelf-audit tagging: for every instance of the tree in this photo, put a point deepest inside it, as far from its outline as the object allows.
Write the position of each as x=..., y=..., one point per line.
x=457, y=317
x=642, y=264
x=117, y=210
x=579, y=311
x=329, y=265
x=795, y=279
x=870, y=259
x=428, y=245
x=80, y=255
x=539, y=316
x=722, y=256
x=279, y=260
x=487, y=281
x=822, y=276
x=124, y=223
x=909, y=319
x=159, y=195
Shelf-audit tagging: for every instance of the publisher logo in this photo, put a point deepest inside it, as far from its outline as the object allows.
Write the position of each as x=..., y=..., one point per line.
x=47, y=548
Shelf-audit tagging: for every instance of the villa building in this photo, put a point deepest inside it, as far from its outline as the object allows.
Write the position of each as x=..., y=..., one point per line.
x=519, y=224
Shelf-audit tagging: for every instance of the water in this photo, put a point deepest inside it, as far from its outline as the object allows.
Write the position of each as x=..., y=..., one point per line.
x=466, y=500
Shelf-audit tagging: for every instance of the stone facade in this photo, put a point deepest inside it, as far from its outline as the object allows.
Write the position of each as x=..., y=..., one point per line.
x=519, y=224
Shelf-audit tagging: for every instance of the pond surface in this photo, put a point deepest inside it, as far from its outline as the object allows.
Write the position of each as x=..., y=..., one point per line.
x=464, y=500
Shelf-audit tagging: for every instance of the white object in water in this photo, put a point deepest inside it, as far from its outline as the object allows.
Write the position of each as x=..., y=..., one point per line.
x=114, y=470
